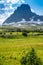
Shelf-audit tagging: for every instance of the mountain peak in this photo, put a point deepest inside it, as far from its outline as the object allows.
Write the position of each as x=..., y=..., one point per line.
x=23, y=12
x=25, y=6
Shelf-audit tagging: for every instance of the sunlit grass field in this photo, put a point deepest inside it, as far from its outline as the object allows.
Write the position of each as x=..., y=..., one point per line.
x=12, y=50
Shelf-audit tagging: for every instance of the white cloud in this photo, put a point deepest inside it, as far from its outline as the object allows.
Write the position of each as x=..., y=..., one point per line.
x=4, y=16
x=14, y=1
x=21, y=1
x=32, y=10
x=8, y=8
x=2, y=1
x=7, y=1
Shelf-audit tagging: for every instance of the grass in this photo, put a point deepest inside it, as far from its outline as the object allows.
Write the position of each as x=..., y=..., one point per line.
x=12, y=50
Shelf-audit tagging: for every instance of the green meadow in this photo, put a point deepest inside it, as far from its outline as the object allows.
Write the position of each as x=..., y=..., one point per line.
x=13, y=49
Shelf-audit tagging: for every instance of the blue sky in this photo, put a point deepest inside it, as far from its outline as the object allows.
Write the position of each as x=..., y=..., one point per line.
x=7, y=7
x=36, y=5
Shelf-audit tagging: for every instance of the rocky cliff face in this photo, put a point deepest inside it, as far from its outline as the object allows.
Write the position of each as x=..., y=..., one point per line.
x=23, y=12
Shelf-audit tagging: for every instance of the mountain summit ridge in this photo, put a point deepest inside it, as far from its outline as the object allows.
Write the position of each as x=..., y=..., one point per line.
x=23, y=12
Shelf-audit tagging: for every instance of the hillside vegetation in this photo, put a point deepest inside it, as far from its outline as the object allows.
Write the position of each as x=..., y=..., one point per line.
x=14, y=45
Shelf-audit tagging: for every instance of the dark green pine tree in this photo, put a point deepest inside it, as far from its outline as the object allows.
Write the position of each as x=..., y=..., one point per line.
x=31, y=59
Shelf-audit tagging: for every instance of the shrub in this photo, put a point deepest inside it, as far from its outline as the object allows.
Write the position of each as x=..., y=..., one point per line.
x=10, y=33
x=0, y=32
x=31, y=59
x=24, y=34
